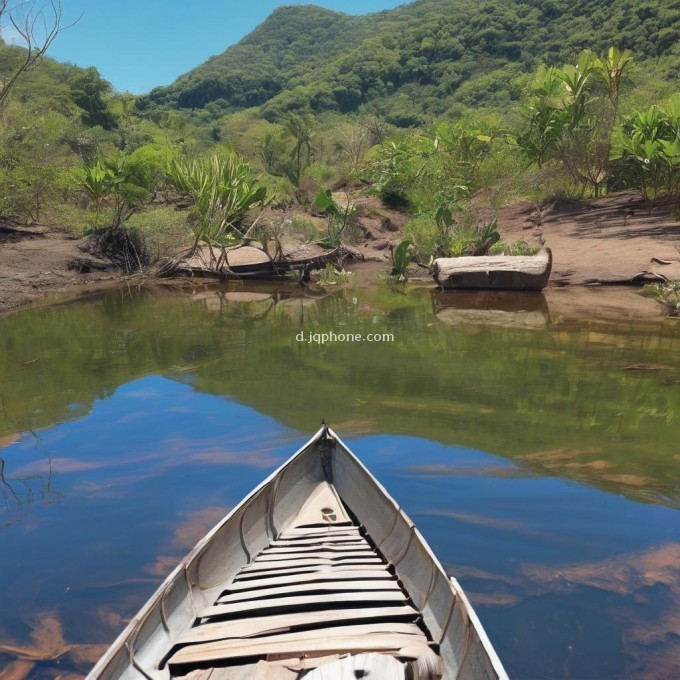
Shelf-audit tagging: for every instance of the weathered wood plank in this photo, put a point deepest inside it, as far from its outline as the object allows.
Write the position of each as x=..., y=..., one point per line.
x=271, y=671
x=360, y=666
x=317, y=540
x=314, y=549
x=378, y=637
x=300, y=601
x=311, y=560
x=326, y=530
x=303, y=571
x=334, y=574
x=268, y=625
x=325, y=586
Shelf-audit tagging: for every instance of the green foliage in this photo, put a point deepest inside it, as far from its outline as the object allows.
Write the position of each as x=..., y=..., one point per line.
x=452, y=233
x=98, y=182
x=648, y=150
x=332, y=276
x=301, y=129
x=417, y=62
x=340, y=219
x=402, y=257
x=668, y=294
x=222, y=188
x=425, y=170
x=89, y=91
x=305, y=229
x=163, y=230
x=570, y=115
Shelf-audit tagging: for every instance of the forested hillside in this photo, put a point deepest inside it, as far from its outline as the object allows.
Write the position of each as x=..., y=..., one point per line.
x=417, y=61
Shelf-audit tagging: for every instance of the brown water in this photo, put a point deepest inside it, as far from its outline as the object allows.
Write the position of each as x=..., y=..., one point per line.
x=538, y=455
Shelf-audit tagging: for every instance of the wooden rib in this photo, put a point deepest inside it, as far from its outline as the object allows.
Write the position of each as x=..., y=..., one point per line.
x=321, y=568
x=313, y=560
x=317, y=540
x=315, y=532
x=304, y=572
x=390, y=638
x=266, y=556
x=281, y=553
x=328, y=586
x=291, y=603
x=268, y=625
x=335, y=575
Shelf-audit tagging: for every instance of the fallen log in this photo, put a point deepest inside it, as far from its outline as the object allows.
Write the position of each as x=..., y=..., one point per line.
x=495, y=272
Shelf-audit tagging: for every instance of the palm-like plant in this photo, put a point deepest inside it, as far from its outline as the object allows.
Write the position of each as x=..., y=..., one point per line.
x=99, y=182
x=222, y=188
x=301, y=129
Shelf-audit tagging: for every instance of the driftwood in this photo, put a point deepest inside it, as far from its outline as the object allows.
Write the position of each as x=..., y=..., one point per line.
x=247, y=261
x=497, y=272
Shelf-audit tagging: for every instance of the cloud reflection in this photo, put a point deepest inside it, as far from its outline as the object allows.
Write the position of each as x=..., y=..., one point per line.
x=46, y=644
x=650, y=639
x=185, y=536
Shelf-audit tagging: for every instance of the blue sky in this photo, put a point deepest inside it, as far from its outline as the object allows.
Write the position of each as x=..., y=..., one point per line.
x=140, y=44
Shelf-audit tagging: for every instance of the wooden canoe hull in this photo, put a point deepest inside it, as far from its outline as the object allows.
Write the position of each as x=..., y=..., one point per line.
x=497, y=272
x=157, y=643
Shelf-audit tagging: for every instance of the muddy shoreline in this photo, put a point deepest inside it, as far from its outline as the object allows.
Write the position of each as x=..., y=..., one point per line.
x=599, y=246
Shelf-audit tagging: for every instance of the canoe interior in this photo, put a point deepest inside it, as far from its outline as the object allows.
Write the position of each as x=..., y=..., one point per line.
x=317, y=563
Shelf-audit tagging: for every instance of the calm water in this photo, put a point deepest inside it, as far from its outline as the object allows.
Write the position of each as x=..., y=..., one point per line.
x=540, y=457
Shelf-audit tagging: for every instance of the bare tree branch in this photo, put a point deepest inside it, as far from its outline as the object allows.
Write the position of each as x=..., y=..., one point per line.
x=36, y=27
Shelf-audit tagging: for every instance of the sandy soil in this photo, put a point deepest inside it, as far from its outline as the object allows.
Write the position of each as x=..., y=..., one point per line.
x=617, y=239
x=38, y=259
x=611, y=240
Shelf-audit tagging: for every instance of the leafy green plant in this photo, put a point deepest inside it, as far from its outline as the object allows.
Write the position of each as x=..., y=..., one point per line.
x=222, y=189
x=340, y=219
x=570, y=114
x=402, y=257
x=648, y=146
x=332, y=276
x=98, y=182
x=668, y=294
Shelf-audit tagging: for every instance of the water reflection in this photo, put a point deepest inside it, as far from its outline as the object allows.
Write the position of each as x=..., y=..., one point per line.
x=497, y=308
x=22, y=489
x=154, y=412
x=638, y=590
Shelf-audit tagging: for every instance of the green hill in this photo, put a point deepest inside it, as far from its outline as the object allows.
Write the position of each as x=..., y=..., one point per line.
x=419, y=60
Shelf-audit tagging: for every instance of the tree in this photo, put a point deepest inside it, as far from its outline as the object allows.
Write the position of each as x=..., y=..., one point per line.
x=36, y=28
x=301, y=129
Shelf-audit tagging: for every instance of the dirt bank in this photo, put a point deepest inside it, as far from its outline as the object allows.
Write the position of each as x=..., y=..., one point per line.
x=36, y=259
x=612, y=240
x=616, y=239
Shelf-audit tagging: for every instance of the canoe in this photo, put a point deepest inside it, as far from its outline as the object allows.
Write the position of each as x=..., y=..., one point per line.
x=249, y=262
x=495, y=272
x=319, y=574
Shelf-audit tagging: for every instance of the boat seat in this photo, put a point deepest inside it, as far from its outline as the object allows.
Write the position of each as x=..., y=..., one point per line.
x=318, y=597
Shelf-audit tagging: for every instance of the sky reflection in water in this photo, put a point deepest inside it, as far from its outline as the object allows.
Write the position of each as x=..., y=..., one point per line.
x=569, y=547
